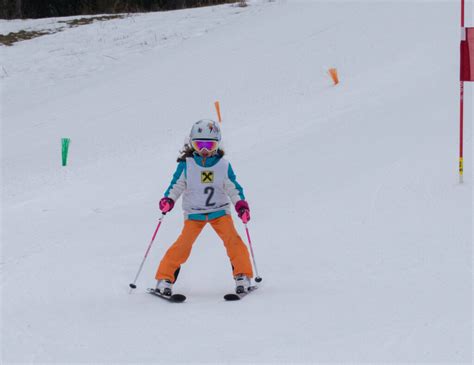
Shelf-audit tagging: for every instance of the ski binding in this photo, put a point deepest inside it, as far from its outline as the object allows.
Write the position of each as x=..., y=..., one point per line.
x=174, y=298
x=238, y=296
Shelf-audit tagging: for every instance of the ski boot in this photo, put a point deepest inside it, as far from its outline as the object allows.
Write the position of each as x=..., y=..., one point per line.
x=242, y=284
x=164, y=287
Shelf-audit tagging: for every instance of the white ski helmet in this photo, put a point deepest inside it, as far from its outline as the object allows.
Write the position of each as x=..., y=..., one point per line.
x=205, y=129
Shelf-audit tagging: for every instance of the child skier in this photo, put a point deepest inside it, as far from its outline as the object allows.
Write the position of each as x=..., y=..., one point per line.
x=207, y=183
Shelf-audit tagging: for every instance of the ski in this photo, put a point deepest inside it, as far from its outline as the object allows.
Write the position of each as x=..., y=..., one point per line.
x=175, y=298
x=237, y=296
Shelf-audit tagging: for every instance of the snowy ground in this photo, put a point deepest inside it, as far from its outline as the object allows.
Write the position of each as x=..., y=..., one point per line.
x=361, y=232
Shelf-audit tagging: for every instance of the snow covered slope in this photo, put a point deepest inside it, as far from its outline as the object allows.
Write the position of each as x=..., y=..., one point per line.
x=361, y=232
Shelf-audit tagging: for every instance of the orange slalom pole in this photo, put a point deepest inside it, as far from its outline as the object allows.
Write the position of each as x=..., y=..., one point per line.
x=334, y=75
x=218, y=110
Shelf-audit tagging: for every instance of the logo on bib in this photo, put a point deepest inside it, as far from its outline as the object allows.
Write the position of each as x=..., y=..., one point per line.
x=207, y=177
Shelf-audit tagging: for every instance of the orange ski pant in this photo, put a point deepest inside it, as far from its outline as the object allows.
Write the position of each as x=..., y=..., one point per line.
x=179, y=252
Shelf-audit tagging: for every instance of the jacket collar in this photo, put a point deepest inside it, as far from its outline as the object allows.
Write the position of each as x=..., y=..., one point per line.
x=206, y=162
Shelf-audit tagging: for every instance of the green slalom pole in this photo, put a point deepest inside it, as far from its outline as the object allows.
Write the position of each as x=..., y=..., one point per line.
x=65, y=149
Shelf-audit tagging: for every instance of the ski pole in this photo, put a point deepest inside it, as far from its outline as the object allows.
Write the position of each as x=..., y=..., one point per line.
x=133, y=285
x=257, y=278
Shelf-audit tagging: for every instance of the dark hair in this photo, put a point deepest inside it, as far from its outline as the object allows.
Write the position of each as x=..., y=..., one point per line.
x=188, y=151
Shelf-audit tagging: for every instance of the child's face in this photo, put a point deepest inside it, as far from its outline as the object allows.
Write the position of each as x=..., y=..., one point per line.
x=204, y=153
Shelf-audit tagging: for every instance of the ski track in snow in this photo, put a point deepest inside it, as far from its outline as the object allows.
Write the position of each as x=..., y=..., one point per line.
x=360, y=230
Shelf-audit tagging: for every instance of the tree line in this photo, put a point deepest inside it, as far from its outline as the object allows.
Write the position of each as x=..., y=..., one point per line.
x=10, y=9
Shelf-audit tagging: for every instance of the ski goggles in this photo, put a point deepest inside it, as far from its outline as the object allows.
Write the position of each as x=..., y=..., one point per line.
x=208, y=145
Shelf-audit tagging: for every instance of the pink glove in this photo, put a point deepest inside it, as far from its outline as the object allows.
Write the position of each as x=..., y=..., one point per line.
x=166, y=204
x=243, y=210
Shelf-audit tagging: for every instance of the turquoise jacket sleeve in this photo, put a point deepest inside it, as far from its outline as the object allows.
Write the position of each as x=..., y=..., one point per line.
x=178, y=183
x=233, y=189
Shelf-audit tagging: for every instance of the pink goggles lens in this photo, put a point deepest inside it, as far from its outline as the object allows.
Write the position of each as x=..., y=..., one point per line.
x=208, y=145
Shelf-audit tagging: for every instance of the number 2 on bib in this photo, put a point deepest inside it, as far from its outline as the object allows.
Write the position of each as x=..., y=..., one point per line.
x=209, y=191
